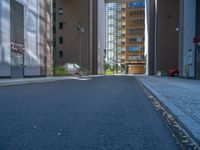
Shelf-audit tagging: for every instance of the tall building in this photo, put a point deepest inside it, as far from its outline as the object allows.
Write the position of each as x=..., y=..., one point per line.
x=25, y=38
x=125, y=36
x=86, y=49
x=111, y=31
x=162, y=37
x=134, y=35
x=172, y=37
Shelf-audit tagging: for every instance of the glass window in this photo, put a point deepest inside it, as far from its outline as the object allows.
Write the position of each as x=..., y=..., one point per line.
x=60, y=54
x=60, y=25
x=133, y=49
x=60, y=11
x=61, y=40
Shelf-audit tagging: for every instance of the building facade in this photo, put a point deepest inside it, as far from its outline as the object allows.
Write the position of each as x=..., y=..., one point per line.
x=111, y=30
x=197, y=42
x=135, y=15
x=125, y=36
x=25, y=38
x=87, y=49
x=101, y=35
x=162, y=37
x=172, y=37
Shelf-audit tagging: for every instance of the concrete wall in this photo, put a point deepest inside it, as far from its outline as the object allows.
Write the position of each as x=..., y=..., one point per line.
x=197, y=68
x=45, y=41
x=32, y=38
x=167, y=38
x=5, y=54
x=147, y=34
x=86, y=13
x=74, y=11
x=188, y=30
x=101, y=35
x=150, y=26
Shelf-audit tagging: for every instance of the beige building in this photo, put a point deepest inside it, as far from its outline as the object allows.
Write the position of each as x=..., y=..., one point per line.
x=125, y=36
x=134, y=26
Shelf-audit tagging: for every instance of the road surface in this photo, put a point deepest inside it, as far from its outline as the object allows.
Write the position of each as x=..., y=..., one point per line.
x=100, y=113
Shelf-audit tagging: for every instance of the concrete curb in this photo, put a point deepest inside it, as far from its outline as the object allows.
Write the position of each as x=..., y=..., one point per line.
x=25, y=81
x=190, y=125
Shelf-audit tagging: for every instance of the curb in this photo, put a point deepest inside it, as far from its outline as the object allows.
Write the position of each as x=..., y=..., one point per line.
x=169, y=106
x=26, y=81
x=31, y=81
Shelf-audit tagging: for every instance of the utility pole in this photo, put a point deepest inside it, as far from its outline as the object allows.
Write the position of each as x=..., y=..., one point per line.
x=80, y=31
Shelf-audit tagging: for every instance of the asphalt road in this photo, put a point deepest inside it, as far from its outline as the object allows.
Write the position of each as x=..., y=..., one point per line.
x=103, y=113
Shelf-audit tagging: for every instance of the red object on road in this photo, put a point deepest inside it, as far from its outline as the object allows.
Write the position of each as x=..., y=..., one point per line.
x=173, y=72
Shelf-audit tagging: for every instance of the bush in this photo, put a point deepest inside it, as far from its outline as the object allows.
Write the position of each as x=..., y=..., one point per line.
x=107, y=67
x=60, y=71
x=85, y=71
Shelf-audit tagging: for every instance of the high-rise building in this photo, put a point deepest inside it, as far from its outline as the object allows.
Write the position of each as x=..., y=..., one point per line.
x=25, y=38
x=125, y=36
x=134, y=35
x=111, y=30
x=77, y=34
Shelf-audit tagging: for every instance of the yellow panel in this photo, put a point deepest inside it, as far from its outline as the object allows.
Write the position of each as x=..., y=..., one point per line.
x=136, y=69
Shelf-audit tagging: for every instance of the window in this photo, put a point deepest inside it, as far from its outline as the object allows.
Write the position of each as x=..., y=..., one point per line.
x=136, y=13
x=133, y=58
x=61, y=40
x=60, y=54
x=60, y=11
x=136, y=4
x=136, y=31
x=137, y=39
x=60, y=25
x=133, y=49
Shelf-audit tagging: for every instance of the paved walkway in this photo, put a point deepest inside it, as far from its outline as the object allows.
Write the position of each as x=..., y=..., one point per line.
x=11, y=82
x=181, y=96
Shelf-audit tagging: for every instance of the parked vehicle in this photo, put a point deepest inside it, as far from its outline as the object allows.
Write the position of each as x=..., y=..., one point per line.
x=173, y=72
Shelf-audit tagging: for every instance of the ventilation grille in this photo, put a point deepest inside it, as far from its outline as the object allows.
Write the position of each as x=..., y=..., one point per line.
x=17, y=23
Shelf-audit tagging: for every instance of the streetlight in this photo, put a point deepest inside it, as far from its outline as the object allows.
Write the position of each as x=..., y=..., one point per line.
x=80, y=31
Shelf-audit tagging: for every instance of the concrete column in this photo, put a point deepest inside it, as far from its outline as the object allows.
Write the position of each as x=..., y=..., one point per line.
x=188, y=27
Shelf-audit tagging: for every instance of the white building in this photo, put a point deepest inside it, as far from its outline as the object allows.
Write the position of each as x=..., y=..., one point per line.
x=25, y=38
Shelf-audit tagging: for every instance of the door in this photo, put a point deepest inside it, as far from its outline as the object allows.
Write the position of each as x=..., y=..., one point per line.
x=17, y=39
x=198, y=62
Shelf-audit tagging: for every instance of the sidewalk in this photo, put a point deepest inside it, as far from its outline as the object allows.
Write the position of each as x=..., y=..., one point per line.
x=23, y=81
x=180, y=96
x=12, y=82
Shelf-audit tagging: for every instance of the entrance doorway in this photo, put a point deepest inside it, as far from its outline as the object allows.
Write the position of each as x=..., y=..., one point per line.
x=17, y=39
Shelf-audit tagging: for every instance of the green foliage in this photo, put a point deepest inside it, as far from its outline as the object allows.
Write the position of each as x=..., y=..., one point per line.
x=107, y=67
x=85, y=71
x=60, y=71
x=109, y=73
